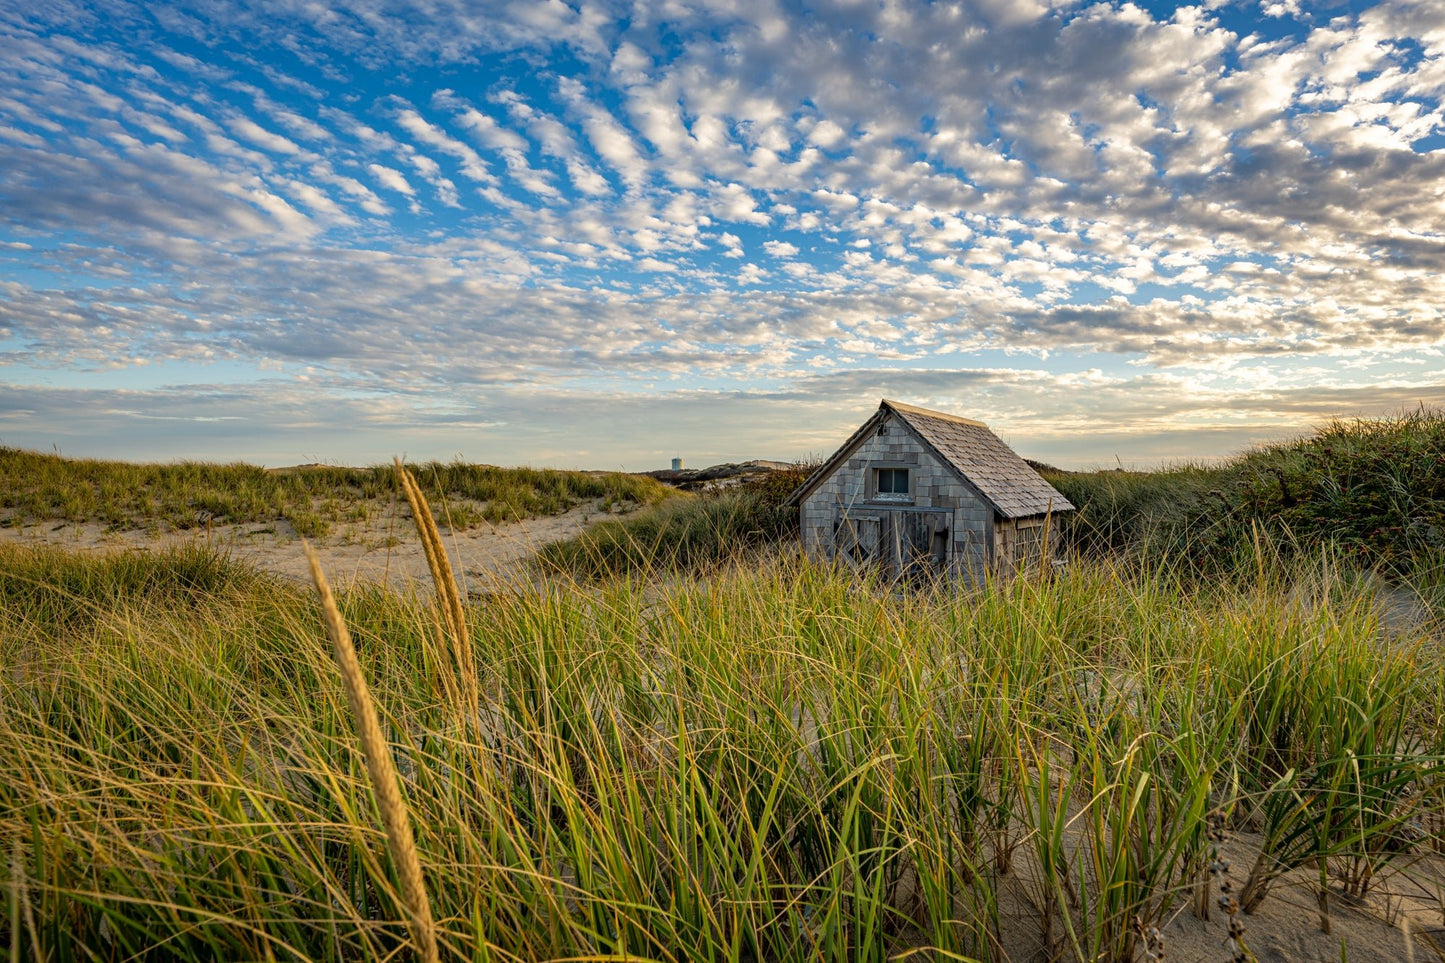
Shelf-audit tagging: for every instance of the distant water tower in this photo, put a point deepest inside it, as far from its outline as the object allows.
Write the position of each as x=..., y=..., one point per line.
x=677, y=464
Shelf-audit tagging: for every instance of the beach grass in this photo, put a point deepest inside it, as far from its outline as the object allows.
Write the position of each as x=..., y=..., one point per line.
x=1374, y=489
x=684, y=741
x=774, y=762
x=37, y=487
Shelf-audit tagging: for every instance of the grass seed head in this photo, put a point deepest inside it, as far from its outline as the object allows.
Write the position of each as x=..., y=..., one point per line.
x=379, y=766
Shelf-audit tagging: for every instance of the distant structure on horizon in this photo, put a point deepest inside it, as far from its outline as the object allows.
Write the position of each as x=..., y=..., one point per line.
x=677, y=464
x=917, y=491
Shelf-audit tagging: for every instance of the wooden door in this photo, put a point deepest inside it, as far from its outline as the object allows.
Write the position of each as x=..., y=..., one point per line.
x=908, y=543
x=920, y=543
x=858, y=538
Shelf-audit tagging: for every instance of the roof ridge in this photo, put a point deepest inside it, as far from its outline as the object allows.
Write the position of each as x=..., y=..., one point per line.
x=930, y=413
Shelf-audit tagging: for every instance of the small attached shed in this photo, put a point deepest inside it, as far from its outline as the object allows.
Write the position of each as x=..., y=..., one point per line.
x=919, y=491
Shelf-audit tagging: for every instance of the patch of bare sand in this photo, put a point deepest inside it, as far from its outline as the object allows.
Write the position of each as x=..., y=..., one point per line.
x=384, y=548
x=1399, y=920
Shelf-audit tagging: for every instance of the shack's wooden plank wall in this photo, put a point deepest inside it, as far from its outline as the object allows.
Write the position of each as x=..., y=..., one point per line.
x=934, y=485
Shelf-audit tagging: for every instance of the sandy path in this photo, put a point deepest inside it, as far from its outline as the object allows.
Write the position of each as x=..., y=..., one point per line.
x=384, y=548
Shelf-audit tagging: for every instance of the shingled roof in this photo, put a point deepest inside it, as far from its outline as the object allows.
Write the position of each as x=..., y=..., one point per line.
x=978, y=455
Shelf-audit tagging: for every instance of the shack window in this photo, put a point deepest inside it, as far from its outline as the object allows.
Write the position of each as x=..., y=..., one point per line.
x=893, y=482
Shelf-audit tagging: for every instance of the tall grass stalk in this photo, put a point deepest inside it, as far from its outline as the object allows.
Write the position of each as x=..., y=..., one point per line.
x=399, y=840
x=452, y=615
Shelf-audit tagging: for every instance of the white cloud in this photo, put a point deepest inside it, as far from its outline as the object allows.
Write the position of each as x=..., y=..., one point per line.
x=826, y=134
x=429, y=134
x=258, y=135
x=1170, y=195
x=556, y=141
x=605, y=133
x=391, y=179
x=1280, y=8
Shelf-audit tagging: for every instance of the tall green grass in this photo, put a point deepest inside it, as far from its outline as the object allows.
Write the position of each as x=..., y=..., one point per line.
x=36, y=486
x=686, y=534
x=777, y=762
x=1374, y=489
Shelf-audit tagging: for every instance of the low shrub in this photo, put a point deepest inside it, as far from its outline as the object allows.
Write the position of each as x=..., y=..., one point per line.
x=61, y=592
x=685, y=533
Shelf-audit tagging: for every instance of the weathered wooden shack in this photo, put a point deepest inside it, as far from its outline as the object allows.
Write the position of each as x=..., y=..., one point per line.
x=918, y=491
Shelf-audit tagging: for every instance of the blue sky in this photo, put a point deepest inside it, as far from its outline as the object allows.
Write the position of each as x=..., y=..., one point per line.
x=599, y=235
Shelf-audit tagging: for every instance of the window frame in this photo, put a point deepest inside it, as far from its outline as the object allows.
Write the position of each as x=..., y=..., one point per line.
x=875, y=492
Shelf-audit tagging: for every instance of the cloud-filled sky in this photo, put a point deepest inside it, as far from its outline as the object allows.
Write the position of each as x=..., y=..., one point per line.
x=592, y=234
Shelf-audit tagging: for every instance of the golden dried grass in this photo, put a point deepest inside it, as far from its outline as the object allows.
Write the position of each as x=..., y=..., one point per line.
x=452, y=616
x=400, y=842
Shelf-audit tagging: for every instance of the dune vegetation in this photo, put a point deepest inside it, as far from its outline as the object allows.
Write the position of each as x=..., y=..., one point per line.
x=1372, y=489
x=745, y=756
x=312, y=498
x=687, y=533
